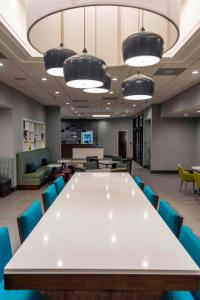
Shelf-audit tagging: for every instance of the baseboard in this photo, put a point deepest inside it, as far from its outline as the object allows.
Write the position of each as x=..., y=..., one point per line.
x=8, y=192
x=164, y=171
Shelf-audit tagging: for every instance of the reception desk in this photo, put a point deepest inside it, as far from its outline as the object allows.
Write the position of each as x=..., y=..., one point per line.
x=82, y=153
x=67, y=149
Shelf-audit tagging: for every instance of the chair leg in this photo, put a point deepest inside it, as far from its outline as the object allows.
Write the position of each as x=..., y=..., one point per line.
x=193, y=186
x=185, y=188
x=181, y=185
x=197, y=194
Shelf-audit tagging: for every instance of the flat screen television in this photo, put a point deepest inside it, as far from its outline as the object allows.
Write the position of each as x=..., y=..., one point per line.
x=87, y=137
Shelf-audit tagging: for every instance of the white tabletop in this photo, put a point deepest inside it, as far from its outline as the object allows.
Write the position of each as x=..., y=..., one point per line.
x=54, y=165
x=196, y=168
x=64, y=161
x=101, y=223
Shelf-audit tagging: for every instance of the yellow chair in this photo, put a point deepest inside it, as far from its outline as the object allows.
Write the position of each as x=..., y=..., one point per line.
x=197, y=181
x=185, y=177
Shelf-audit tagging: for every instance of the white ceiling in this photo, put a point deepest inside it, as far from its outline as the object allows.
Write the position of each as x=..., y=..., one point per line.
x=20, y=64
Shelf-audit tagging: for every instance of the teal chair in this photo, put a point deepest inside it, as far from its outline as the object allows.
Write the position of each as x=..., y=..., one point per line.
x=60, y=184
x=29, y=219
x=139, y=182
x=191, y=243
x=151, y=195
x=49, y=196
x=5, y=256
x=171, y=217
x=92, y=165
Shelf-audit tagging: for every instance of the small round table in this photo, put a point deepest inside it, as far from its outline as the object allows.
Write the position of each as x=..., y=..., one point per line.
x=196, y=168
x=54, y=166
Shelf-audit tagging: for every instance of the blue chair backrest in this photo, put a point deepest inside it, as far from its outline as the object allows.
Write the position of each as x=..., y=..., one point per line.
x=139, y=182
x=5, y=250
x=191, y=243
x=60, y=184
x=49, y=196
x=151, y=195
x=29, y=219
x=171, y=217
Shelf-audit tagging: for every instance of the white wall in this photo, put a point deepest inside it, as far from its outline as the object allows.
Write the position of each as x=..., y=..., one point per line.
x=108, y=135
x=18, y=107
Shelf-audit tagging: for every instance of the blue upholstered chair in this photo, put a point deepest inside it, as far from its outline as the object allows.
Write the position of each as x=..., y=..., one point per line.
x=171, y=217
x=139, y=182
x=151, y=195
x=191, y=243
x=29, y=219
x=49, y=196
x=5, y=256
x=60, y=184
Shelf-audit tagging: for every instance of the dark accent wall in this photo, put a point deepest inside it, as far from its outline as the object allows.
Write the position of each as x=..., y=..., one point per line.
x=84, y=125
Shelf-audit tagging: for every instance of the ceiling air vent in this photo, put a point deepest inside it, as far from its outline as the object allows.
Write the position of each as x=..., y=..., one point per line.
x=80, y=101
x=110, y=98
x=19, y=78
x=169, y=71
x=82, y=106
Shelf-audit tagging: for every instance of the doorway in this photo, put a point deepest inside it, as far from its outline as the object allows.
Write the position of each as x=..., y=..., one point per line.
x=122, y=143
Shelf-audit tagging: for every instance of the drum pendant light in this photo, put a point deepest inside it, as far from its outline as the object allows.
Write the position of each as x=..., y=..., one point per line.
x=138, y=87
x=84, y=71
x=54, y=58
x=103, y=89
x=143, y=48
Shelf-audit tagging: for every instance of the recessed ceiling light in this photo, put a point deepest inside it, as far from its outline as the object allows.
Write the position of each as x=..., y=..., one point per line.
x=111, y=92
x=195, y=72
x=108, y=103
x=67, y=103
x=57, y=92
x=134, y=105
x=101, y=116
x=1, y=64
x=198, y=111
x=107, y=107
x=185, y=115
x=115, y=79
x=44, y=79
x=72, y=108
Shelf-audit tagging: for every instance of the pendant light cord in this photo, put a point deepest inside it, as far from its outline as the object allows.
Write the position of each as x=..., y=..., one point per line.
x=61, y=29
x=84, y=37
x=142, y=28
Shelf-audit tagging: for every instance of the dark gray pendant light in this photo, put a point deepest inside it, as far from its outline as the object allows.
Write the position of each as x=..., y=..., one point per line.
x=138, y=87
x=143, y=48
x=84, y=71
x=54, y=58
x=103, y=89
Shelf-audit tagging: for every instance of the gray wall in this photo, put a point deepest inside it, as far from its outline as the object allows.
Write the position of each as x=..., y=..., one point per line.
x=198, y=141
x=18, y=107
x=108, y=135
x=173, y=141
x=53, y=132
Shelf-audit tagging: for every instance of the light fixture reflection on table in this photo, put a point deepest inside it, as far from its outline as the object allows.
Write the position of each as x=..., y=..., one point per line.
x=107, y=187
x=72, y=187
x=146, y=215
x=133, y=192
x=59, y=263
x=108, y=195
x=110, y=215
x=145, y=264
x=45, y=238
x=113, y=238
x=58, y=215
x=68, y=195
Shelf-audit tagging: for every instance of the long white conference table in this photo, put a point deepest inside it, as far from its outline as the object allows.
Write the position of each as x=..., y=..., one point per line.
x=102, y=238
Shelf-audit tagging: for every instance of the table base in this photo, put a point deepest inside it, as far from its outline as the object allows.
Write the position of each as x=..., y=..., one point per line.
x=101, y=295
